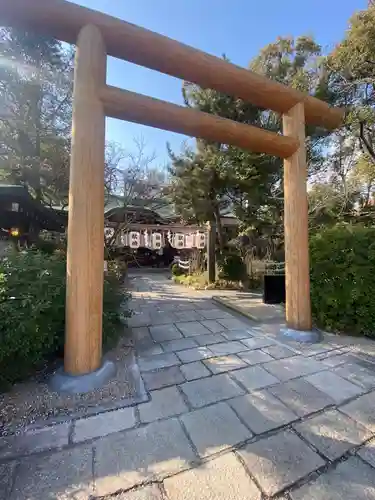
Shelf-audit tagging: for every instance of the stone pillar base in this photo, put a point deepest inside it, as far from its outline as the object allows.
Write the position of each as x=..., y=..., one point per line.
x=75, y=384
x=303, y=336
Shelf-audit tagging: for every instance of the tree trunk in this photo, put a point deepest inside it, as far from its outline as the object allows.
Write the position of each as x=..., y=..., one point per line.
x=38, y=125
x=219, y=229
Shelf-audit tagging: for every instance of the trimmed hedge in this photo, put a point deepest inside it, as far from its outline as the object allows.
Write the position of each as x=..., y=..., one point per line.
x=231, y=267
x=32, y=312
x=342, y=279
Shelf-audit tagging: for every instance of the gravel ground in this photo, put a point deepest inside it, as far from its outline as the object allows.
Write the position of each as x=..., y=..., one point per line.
x=33, y=402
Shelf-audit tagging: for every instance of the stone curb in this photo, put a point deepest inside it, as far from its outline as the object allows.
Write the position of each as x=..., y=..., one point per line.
x=237, y=309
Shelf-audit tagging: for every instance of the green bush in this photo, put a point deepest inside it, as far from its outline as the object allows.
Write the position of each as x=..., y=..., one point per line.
x=342, y=277
x=232, y=267
x=176, y=270
x=32, y=312
x=46, y=246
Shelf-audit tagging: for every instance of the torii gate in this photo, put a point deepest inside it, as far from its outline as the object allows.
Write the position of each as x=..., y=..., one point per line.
x=98, y=35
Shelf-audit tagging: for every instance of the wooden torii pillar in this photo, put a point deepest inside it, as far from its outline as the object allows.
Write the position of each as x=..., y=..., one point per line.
x=296, y=237
x=93, y=100
x=85, y=253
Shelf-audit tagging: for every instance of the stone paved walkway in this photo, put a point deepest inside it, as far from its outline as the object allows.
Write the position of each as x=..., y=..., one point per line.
x=234, y=414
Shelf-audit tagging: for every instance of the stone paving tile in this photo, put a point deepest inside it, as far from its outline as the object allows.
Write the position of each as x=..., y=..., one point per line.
x=33, y=441
x=227, y=348
x=367, y=452
x=224, y=363
x=213, y=325
x=164, y=377
x=213, y=338
x=337, y=360
x=255, y=357
x=232, y=323
x=193, y=371
x=6, y=479
x=257, y=343
x=192, y=328
x=279, y=461
x=357, y=374
x=298, y=366
x=254, y=377
x=188, y=316
x=265, y=329
x=195, y=354
x=178, y=345
x=164, y=403
x=138, y=320
x=151, y=492
x=158, y=361
x=364, y=358
x=362, y=410
x=163, y=318
x=141, y=335
x=350, y=480
x=128, y=458
x=210, y=390
x=261, y=411
x=320, y=356
x=319, y=349
x=169, y=306
x=279, y=351
x=236, y=334
x=150, y=348
x=205, y=304
x=186, y=305
x=161, y=333
x=333, y=433
x=214, y=428
x=221, y=479
x=214, y=313
x=62, y=475
x=336, y=387
x=103, y=424
x=301, y=397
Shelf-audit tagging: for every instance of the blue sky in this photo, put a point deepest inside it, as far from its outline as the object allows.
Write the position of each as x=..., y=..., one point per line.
x=239, y=29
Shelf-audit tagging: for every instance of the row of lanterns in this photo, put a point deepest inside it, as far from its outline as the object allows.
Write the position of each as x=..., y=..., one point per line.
x=155, y=240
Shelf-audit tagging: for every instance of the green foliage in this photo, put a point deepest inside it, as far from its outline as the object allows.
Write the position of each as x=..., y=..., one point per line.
x=32, y=312
x=342, y=270
x=35, y=91
x=176, y=270
x=231, y=267
x=46, y=246
x=219, y=176
x=199, y=281
x=352, y=75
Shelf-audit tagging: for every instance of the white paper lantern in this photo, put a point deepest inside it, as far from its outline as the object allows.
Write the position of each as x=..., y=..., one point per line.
x=134, y=239
x=189, y=240
x=179, y=240
x=108, y=232
x=124, y=239
x=147, y=239
x=156, y=241
x=200, y=240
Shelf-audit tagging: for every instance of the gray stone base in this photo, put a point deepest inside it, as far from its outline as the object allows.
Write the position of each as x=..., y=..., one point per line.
x=303, y=336
x=74, y=384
